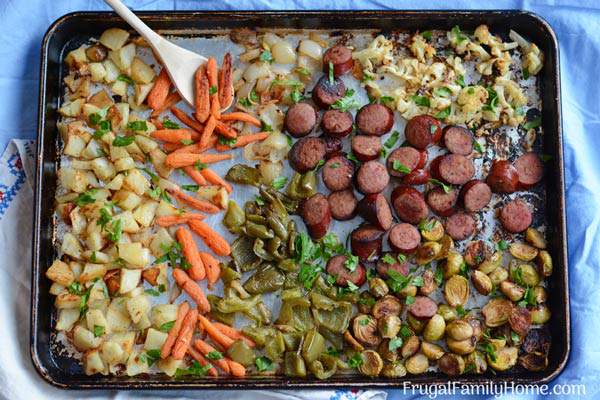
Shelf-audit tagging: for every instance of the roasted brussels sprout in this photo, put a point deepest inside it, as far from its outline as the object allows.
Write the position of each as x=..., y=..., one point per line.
x=432, y=351
x=459, y=330
x=365, y=330
x=496, y=312
x=511, y=290
x=519, y=320
x=503, y=359
x=386, y=353
x=352, y=341
x=429, y=285
x=387, y=305
x=498, y=275
x=491, y=263
x=389, y=326
x=456, y=290
x=522, y=251
x=451, y=364
x=452, y=265
x=447, y=312
x=475, y=363
x=476, y=251
x=535, y=238
x=447, y=246
x=366, y=301
x=544, y=263
x=540, y=314
x=434, y=329
x=416, y=364
x=534, y=361
x=537, y=340
x=394, y=370
x=378, y=287
x=481, y=282
x=539, y=294
x=428, y=252
x=372, y=363
x=462, y=347
x=432, y=230
x=524, y=274
x=410, y=346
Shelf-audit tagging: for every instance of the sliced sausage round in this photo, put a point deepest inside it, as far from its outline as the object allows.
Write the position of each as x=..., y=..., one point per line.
x=374, y=119
x=333, y=145
x=422, y=131
x=366, y=242
x=403, y=161
x=326, y=93
x=434, y=167
x=458, y=140
x=337, y=173
x=516, y=216
x=366, y=148
x=475, y=195
x=503, y=177
x=374, y=208
x=306, y=153
x=372, y=177
x=530, y=170
x=456, y=169
x=423, y=307
x=300, y=119
x=337, y=123
x=383, y=267
x=442, y=203
x=336, y=267
x=316, y=215
x=343, y=204
x=460, y=226
x=404, y=238
x=416, y=177
x=341, y=59
x=409, y=204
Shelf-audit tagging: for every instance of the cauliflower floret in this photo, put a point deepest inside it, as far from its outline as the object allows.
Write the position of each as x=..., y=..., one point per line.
x=379, y=52
x=533, y=59
x=456, y=64
x=513, y=93
x=458, y=40
x=421, y=49
x=472, y=98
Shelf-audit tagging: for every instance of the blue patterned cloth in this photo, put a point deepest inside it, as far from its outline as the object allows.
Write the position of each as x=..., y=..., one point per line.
x=577, y=24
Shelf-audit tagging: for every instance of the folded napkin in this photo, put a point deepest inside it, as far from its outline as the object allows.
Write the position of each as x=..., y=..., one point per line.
x=18, y=378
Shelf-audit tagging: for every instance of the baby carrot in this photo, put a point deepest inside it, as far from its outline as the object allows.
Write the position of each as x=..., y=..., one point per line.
x=233, y=333
x=182, y=311
x=160, y=90
x=212, y=239
x=243, y=140
x=211, y=266
x=192, y=289
x=208, y=130
x=170, y=220
x=172, y=135
x=185, y=335
x=226, y=82
x=186, y=119
x=196, y=175
x=196, y=355
x=237, y=369
x=178, y=160
x=241, y=116
x=206, y=348
x=215, y=179
x=193, y=202
x=211, y=73
x=214, y=333
x=172, y=99
x=202, y=99
x=190, y=252
x=170, y=147
x=225, y=130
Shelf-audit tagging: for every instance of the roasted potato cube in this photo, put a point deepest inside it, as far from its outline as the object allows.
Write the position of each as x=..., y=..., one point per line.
x=76, y=57
x=92, y=363
x=144, y=214
x=112, y=353
x=137, y=307
x=117, y=316
x=67, y=317
x=83, y=339
x=154, y=339
x=71, y=246
x=75, y=145
x=91, y=272
x=169, y=365
x=123, y=57
x=161, y=240
x=163, y=313
x=134, y=254
x=72, y=108
x=136, y=182
x=97, y=71
x=136, y=364
x=130, y=278
x=114, y=38
x=60, y=272
x=94, y=319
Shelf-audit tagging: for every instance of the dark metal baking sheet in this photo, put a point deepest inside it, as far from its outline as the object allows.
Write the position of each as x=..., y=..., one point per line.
x=70, y=31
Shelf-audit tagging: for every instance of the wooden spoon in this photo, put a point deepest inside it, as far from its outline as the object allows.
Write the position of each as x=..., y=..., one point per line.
x=181, y=64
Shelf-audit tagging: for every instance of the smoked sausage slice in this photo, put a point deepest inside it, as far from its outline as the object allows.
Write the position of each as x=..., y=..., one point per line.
x=516, y=216
x=374, y=208
x=374, y=119
x=341, y=59
x=409, y=204
x=300, y=119
x=530, y=170
x=337, y=173
x=343, y=204
x=337, y=123
x=316, y=215
x=306, y=153
x=503, y=177
x=366, y=148
x=366, y=242
x=404, y=238
x=442, y=203
x=456, y=169
x=326, y=93
x=372, y=177
x=423, y=307
x=475, y=195
x=422, y=131
x=460, y=226
x=458, y=140
x=336, y=267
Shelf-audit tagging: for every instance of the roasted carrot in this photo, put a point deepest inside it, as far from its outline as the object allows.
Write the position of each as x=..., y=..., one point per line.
x=215, y=179
x=233, y=333
x=225, y=130
x=241, y=116
x=172, y=99
x=185, y=335
x=178, y=160
x=236, y=369
x=208, y=130
x=192, y=289
x=190, y=251
x=172, y=135
x=206, y=348
x=200, y=205
x=243, y=140
x=214, y=333
x=202, y=99
x=212, y=239
x=211, y=73
x=196, y=355
x=211, y=266
x=170, y=147
x=186, y=119
x=159, y=92
x=157, y=123
x=195, y=174
x=226, y=82
x=182, y=311
x=170, y=220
